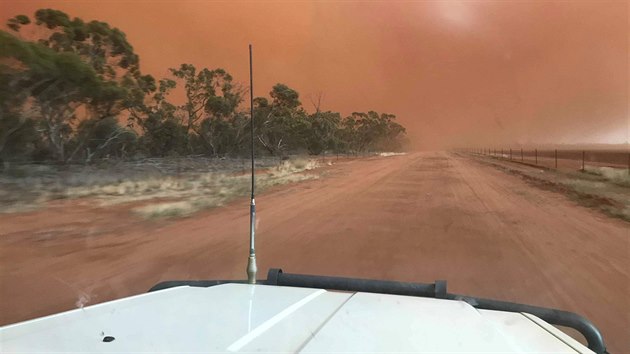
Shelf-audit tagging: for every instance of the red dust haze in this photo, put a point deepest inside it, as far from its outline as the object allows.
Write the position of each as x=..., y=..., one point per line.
x=455, y=73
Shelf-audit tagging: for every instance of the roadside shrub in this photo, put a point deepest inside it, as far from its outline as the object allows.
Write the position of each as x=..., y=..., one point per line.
x=616, y=175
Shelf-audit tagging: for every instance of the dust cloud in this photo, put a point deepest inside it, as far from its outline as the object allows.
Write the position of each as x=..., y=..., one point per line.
x=455, y=73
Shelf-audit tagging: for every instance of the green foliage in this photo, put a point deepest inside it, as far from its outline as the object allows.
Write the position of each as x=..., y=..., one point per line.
x=72, y=66
x=18, y=137
x=210, y=116
x=163, y=134
x=324, y=132
x=281, y=125
x=105, y=138
x=164, y=137
x=285, y=97
x=55, y=83
x=17, y=22
x=105, y=48
x=65, y=94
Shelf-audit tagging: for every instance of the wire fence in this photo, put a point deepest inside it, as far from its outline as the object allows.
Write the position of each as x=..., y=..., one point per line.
x=559, y=158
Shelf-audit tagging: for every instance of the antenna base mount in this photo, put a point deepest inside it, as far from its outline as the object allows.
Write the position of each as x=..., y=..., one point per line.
x=251, y=269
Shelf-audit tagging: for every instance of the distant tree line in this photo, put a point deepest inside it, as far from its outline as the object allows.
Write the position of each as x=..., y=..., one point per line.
x=76, y=93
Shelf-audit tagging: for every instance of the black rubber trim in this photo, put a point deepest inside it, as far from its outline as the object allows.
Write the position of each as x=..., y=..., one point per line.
x=277, y=277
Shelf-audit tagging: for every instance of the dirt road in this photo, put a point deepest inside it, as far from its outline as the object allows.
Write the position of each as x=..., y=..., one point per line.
x=419, y=217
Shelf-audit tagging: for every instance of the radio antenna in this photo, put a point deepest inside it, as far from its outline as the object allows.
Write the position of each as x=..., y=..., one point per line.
x=251, y=262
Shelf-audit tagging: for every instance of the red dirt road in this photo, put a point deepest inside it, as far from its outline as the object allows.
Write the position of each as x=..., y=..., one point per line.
x=419, y=217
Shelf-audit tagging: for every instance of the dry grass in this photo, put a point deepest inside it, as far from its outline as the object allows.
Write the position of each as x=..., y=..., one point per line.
x=186, y=187
x=388, y=154
x=584, y=185
x=602, y=188
x=615, y=175
x=225, y=188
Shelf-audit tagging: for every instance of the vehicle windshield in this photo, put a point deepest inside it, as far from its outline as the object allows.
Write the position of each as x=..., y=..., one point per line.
x=484, y=143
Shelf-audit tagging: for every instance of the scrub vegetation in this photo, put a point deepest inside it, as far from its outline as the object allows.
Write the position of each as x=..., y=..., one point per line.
x=160, y=187
x=605, y=189
x=79, y=119
x=72, y=91
x=615, y=175
x=212, y=190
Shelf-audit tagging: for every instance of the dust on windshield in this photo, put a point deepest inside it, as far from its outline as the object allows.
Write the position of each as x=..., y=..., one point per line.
x=485, y=143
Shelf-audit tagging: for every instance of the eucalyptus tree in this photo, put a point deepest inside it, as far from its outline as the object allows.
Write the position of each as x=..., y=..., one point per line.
x=101, y=69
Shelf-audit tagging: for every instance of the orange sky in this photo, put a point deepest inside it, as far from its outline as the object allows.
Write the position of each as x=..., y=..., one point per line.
x=455, y=73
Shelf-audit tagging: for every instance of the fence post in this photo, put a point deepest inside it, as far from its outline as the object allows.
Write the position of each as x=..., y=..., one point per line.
x=555, y=154
x=521, y=154
x=536, y=156
x=501, y=154
x=510, y=154
x=583, y=153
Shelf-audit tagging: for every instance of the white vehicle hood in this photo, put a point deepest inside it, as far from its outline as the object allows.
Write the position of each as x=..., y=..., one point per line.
x=254, y=318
